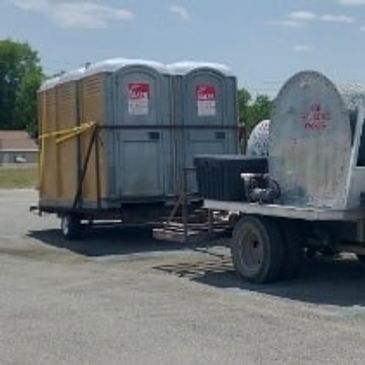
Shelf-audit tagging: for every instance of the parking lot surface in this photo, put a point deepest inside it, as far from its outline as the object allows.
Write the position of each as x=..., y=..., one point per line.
x=119, y=297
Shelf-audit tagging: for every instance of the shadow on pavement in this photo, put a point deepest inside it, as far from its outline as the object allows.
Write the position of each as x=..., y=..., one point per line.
x=109, y=241
x=338, y=282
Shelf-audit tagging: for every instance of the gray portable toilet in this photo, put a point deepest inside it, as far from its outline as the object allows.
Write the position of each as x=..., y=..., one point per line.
x=205, y=111
x=137, y=105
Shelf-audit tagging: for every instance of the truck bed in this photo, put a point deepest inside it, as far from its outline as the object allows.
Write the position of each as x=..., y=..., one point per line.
x=286, y=211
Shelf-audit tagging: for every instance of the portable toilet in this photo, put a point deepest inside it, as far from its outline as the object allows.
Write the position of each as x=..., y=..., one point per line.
x=205, y=111
x=57, y=101
x=47, y=123
x=130, y=99
x=67, y=152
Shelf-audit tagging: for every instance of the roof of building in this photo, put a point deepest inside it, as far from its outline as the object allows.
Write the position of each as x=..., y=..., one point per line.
x=16, y=141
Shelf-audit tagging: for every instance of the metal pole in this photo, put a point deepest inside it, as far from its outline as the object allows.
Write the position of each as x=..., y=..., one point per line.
x=79, y=141
x=84, y=169
x=97, y=163
x=185, y=205
x=210, y=221
x=1, y=152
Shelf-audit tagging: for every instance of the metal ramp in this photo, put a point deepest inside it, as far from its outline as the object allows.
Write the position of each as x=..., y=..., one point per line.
x=188, y=225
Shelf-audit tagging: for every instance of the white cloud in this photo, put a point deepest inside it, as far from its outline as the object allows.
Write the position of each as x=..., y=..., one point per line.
x=30, y=4
x=286, y=23
x=338, y=18
x=301, y=18
x=302, y=15
x=180, y=11
x=87, y=15
x=352, y=2
x=76, y=14
x=362, y=29
x=302, y=48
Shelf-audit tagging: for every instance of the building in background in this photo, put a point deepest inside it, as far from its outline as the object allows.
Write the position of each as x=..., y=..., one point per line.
x=16, y=147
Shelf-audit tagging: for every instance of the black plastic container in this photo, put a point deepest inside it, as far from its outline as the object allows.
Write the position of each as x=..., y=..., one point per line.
x=219, y=176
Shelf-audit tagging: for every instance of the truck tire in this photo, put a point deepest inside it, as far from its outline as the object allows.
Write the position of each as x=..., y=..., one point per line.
x=257, y=249
x=293, y=251
x=70, y=227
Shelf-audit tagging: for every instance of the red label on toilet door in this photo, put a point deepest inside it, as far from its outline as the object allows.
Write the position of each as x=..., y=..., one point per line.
x=206, y=100
x=138, y=99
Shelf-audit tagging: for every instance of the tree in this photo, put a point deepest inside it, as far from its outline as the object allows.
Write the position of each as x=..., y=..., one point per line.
x=26, y=102
x=251, y=111
x=259, y=110
x=20, y=78
x=244, y=99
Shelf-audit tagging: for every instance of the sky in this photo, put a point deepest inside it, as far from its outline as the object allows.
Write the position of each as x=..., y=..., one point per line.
x=264, y=42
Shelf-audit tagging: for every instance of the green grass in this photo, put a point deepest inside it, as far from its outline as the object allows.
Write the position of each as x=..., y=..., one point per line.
x=18, y=178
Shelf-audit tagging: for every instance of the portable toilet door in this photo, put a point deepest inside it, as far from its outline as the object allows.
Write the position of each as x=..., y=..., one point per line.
x=206, y=109
x=141, y=115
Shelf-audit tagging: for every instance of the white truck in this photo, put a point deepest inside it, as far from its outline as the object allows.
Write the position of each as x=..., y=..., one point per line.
x=313, y=194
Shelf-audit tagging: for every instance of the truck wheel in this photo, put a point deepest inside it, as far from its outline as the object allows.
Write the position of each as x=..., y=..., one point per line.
x=293, y=251
x=258, y=249
x=70, y=227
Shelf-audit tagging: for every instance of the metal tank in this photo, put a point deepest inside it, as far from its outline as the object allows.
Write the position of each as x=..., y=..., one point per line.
x=258, y=143
x=316, y=143
x=205, y=112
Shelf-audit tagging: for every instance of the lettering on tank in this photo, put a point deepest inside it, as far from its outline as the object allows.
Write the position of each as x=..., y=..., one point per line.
x=317, y=119
x=206, y=100
x=138, y=99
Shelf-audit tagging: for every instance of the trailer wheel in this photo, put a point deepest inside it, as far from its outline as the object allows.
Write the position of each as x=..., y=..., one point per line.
x=293, y=251
x=70, y=227
x=258, y=249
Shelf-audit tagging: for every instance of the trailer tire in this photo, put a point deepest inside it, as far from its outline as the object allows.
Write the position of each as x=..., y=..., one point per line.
x=70, y=227
x=257, y=249
x=293, y=251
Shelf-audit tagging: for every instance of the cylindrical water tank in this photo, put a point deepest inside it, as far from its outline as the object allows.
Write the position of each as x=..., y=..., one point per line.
x=311, y=140
x=258, y=143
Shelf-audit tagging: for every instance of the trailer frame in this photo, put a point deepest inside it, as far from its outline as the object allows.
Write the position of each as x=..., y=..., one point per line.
x=157, y=211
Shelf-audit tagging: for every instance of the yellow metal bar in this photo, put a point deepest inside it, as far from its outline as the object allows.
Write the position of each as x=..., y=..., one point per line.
x=75, y=132
x=66, y=135
x=72, y=130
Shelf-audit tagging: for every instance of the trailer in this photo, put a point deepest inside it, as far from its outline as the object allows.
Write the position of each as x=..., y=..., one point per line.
x=312, y=198
x=116, y=137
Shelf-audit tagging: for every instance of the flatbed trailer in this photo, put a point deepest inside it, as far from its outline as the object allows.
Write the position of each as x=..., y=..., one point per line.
x=181, y=219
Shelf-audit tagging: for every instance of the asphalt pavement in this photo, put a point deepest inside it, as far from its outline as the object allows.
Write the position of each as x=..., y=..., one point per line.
x=119, y=297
